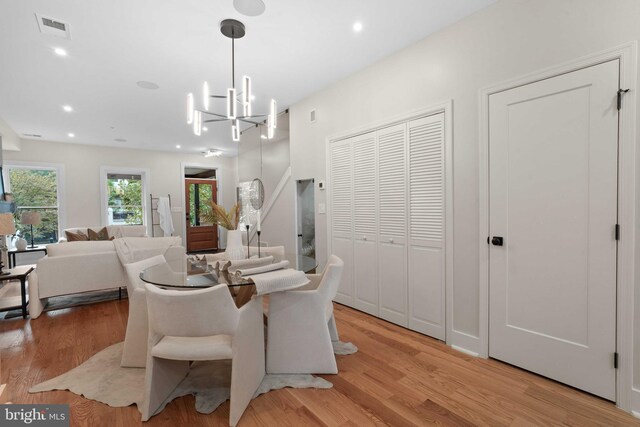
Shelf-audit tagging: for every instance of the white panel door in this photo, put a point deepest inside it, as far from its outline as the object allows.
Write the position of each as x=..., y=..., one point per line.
x=365, y=199
x=392, y=220
x=426, y=226
x=553, y=187
x=341, y=180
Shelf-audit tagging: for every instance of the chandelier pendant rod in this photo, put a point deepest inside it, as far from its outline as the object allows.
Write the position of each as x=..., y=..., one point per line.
x=233, y=63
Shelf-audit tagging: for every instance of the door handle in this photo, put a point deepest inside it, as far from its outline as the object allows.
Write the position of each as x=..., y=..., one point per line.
x=497, y=241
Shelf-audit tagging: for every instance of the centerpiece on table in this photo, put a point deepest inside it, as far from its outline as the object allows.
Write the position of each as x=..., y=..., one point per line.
x=218, y=215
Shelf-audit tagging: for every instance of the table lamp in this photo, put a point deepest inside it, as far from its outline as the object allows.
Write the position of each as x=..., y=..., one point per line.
x=30, y=218
x=7, y=227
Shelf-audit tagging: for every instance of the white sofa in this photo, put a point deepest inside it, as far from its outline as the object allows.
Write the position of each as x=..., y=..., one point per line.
x=113, y=230
x=75, y=267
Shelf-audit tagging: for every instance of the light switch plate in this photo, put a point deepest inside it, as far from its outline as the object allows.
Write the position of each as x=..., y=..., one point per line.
x=322, y=208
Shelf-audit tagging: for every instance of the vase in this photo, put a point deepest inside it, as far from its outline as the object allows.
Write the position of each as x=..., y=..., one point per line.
x=235, y=250
x=21, y=244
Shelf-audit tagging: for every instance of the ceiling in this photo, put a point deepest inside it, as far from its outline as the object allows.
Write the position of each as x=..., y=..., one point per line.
x=295, y=48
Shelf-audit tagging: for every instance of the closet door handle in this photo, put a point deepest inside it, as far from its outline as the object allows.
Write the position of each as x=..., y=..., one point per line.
x=364, y=238
x=497, y=241
x=390, y=240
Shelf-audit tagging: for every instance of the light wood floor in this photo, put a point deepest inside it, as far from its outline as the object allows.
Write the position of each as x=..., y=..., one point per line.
x=398, y=378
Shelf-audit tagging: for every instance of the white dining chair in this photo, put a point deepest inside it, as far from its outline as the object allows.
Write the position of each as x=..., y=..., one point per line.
x=134, y=352
x=301, y=325
x=204, y=324
x=276, y=251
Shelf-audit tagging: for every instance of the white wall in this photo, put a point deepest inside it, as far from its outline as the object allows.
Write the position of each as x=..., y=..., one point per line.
x=507, y=40
x=269, y=160
x=10, y=140
x=82, y=175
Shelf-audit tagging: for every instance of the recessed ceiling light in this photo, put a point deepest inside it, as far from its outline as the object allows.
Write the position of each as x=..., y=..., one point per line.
x=71, y=135
x=67, y=108
x=204, y=128
x=60, y=51
x=147, y=85
x=178, y=146
x=357, y=27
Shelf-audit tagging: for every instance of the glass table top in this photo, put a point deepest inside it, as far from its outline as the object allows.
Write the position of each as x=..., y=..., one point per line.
x=184, y=275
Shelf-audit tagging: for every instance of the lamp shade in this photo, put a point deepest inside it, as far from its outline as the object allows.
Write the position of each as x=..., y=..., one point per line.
x=7, y=224
x=30, y=218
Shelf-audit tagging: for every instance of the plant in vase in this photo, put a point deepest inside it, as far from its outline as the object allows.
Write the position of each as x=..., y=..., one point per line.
x=218, y=215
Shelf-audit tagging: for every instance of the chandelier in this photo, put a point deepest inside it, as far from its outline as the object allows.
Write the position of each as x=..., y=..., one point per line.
x=238, y=102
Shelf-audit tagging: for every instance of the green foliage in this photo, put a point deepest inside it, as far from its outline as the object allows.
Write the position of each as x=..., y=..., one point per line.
x=33, y=189
x=125, y=198
x=205, y=195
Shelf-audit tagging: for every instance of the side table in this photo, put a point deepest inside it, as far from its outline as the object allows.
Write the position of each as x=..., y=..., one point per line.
x=13, y=252
x=19, y=273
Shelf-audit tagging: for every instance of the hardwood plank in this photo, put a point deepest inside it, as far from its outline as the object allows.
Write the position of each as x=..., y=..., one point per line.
x=398, y=377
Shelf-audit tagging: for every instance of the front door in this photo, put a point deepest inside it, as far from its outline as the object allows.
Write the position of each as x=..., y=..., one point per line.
x=553, y=209
x=200, y=236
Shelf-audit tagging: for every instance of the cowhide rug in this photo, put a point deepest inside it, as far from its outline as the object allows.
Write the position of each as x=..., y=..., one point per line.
x=102, y=378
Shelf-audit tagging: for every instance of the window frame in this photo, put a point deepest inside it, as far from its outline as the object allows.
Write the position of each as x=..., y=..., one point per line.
x=60, y=184
x=104, y=196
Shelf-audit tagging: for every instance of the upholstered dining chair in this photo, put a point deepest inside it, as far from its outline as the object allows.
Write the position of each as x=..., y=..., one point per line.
x=199, y=325
x=134, y=353
x=277, y=252
x=301, y=325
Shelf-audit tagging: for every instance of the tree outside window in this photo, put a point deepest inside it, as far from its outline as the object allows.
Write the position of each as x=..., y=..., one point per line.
x=124, y=199
x=36, y=190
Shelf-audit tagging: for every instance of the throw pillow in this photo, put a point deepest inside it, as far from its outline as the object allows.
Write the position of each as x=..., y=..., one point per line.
x=78, y=236
x=101, y=234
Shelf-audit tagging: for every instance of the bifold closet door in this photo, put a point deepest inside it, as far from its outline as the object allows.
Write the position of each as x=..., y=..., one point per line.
x=392, y=220
x=426, y=226
x=365, y=222
x=341, y=173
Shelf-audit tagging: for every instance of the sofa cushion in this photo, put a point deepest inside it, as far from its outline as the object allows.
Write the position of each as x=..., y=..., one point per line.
x=76, y=236
x=77, y=248
x=118, y=231
x=101, y=234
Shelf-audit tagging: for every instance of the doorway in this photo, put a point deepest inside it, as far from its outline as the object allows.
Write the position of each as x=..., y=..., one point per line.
x=200, y=188
x=306, y=217
x=553, y=214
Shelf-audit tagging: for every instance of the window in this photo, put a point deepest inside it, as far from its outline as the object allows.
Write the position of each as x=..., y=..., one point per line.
x=124, y=196
x=36, y=189
x=124, y=199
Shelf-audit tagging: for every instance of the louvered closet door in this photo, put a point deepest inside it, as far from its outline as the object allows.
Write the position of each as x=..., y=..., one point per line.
x=392, y=229
x=341, y=170
x=426, y=226
x=365, y=223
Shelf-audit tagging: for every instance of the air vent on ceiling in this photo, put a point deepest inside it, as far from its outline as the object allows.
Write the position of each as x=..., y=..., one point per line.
x=312, y=116
x=32, y=135
x=53, y=26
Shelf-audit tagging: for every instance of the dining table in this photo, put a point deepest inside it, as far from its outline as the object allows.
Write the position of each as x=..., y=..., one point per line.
x=196, y=273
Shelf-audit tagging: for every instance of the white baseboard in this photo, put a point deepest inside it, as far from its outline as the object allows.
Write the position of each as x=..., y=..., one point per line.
x=635, y=402
x=464, y=342
x=465, y=351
